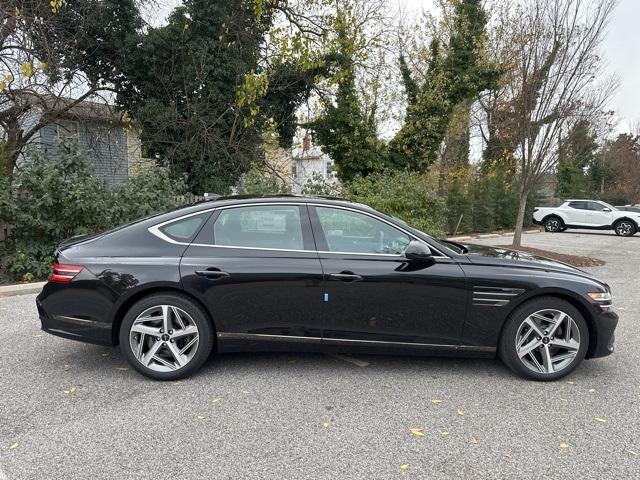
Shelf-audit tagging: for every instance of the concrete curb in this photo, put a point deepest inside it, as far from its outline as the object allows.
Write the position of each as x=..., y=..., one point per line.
x=482, y=236
x=21, y=289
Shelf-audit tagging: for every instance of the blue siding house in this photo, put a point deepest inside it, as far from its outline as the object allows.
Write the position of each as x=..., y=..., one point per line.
x=111, y=143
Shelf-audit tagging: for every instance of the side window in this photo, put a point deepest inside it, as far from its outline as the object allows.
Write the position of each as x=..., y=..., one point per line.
x=260, y=227
x=347, y=231
x=595, y=206
x=184, y=230
x=578, y=205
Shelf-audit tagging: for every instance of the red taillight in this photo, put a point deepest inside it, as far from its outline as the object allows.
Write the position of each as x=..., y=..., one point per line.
x=64, y=273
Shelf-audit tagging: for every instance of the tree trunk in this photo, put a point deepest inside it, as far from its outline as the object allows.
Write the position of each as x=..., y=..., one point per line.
x=522, y=206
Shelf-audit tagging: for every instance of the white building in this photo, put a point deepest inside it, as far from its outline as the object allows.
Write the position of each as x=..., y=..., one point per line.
x=309, y=162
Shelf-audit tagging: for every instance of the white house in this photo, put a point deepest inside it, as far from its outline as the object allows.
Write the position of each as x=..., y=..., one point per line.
x=309, y=162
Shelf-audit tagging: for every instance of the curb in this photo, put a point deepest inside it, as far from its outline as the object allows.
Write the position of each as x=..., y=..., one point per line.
x=21, y=289
x=482, y=236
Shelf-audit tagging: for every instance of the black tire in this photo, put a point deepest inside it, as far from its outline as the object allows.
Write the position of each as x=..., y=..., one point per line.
x=507, y=346
x=554, y=224
x=625, y=228
x=195, y=314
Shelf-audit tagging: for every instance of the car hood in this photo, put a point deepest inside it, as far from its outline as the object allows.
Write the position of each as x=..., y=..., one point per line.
x=481, y=254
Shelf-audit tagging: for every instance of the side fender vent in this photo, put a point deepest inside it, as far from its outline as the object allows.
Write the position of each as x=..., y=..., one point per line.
x=495, y=296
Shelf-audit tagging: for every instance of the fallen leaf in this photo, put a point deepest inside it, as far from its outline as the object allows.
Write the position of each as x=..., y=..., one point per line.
x=326, y=424
x=178, y=382
x=564, y=445
x=13, y=446
x=633, y=452
x=404, y=466
x=246, y=392
x=591, y=390
x=200, y=417
x=507, y=455
x=444, y=433
x=436, y=401
x=563, y=399
x=386, y=385
x=473, y=440
x=460, y=412
x=600, y=420
x=122, y=369
x=67, y=368
x=104, y=354
x=216, y=400
x=69, y=390
x=570, y=382
x=418, y=432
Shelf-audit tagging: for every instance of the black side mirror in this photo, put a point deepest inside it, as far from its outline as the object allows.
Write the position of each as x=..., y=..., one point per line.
x=606, y=209
x=418, y=252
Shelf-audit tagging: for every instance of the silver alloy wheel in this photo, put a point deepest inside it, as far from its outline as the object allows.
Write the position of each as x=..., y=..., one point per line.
x=553, y=225
x=624, y=228
x=164, y=338
x=547, y=341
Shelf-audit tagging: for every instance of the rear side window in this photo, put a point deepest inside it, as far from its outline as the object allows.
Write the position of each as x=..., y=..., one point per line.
x=184, y=229
x=578, y=205
x=276, y=226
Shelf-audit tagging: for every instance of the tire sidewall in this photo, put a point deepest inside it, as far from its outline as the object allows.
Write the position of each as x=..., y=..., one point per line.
x=205, y=332
x=507, y=348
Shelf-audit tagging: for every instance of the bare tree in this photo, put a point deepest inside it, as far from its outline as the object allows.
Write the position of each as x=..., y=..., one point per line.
x=551, y=81
x=40, y=79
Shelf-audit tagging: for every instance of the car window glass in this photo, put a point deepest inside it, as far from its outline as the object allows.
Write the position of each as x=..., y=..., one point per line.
x=595, y=206
x=347, y=231
x=183, y=229
x=578, y=205
x=260, y=227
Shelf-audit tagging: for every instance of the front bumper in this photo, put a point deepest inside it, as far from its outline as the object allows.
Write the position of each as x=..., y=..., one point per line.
x=606, y=323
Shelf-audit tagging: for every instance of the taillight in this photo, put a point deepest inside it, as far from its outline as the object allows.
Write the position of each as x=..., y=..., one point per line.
x=64, y=273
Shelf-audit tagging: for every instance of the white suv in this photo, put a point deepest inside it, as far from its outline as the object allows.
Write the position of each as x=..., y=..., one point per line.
x=591, y=214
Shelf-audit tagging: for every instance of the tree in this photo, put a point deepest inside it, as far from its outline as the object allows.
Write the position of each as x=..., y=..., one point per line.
x=550, y=85
x=576, y=155
x=53, y=56
x=457, y=71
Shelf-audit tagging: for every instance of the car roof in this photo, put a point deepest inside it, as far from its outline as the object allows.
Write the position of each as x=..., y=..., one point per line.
x=286, y=198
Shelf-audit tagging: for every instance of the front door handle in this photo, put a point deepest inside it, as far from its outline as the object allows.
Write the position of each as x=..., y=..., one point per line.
x=212, y=274
x=345, y=277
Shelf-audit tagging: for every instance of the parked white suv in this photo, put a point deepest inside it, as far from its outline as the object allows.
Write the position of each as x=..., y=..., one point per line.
x=592, y=214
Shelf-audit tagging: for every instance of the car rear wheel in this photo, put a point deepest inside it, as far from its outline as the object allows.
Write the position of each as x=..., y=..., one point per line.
x=553, y=225
x=625, y=228
x=166, y=336
x=544, y=339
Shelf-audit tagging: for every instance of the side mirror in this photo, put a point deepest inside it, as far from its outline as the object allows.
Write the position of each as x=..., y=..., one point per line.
x=418, y=252
x=606, y=209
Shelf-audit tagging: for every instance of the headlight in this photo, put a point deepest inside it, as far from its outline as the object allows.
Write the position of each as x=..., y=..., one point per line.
x=600, y=296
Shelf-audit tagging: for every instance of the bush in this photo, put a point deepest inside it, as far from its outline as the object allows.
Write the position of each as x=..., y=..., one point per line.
x=50, y=200
x=405, y=195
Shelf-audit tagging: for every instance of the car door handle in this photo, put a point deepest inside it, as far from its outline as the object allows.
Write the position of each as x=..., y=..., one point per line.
x=213, y=274
x=345, y=277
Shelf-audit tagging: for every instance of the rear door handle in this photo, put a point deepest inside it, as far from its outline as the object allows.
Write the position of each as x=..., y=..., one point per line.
x=345, y=277
x=213, y=274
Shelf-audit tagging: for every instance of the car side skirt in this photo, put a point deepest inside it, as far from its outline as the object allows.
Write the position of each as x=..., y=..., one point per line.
x=249, y=342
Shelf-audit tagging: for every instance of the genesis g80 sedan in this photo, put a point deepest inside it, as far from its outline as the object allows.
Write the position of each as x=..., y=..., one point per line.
x=317, y=275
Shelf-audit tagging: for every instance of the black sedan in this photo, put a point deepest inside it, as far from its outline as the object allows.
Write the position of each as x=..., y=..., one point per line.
x=314, y=274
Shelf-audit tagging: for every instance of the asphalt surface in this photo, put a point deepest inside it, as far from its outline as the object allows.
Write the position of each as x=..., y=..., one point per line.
x=74, y=411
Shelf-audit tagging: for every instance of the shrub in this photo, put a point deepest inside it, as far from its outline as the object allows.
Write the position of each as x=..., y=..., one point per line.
x=405, y=195
x=50, y=200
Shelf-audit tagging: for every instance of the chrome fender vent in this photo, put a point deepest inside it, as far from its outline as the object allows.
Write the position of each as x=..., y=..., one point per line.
x=495, y=296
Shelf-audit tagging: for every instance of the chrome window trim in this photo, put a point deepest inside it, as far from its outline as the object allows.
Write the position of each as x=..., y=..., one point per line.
x=155, y=230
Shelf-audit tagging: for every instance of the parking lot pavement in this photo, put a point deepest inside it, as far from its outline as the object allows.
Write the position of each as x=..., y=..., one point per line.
x=70, y=410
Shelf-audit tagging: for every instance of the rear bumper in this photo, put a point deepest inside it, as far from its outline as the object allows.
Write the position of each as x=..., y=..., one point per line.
x=71, y=326
x=606, y=323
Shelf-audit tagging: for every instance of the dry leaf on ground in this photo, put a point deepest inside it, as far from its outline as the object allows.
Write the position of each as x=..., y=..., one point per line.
x=436, y=401
x=418, y=432
x=70, y=390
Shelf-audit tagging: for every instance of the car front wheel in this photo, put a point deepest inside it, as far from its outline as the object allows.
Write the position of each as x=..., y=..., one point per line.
x=544, y=339
x=166, y=336
x=625, y=228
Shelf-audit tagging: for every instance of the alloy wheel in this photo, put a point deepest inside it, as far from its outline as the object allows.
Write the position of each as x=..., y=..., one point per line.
x=624, y=229
x=164, y=338
x=553, y=225
x=547, y=341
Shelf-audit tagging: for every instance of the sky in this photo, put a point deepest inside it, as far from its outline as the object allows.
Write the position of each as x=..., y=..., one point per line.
x=620, y=50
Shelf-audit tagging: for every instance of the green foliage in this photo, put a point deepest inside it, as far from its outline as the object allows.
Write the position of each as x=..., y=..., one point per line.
x=456, y=73
x=51, y=200
x=577, y=155
x=258, y=182
x=318, y=186
x=405, y=195
x=409, y=83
